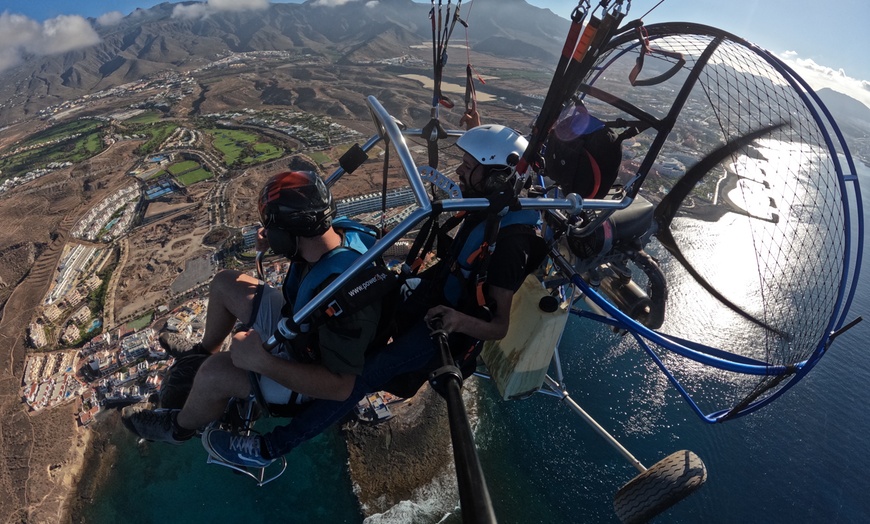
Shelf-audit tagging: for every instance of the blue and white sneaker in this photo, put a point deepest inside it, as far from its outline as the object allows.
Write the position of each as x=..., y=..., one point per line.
x=234, y=449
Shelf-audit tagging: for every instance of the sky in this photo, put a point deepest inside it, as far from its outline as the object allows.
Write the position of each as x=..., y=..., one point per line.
x=824, y=44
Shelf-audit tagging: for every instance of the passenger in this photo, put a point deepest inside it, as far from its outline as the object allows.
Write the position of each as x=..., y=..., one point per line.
x=444, y=292
x=297, y=210
x=403, y=366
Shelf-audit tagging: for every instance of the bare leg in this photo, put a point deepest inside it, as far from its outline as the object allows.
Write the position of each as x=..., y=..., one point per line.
x=231, y=298
x=216, y=382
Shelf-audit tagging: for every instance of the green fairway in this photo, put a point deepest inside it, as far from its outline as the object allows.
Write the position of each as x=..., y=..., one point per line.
x=183, y=167
x=266, y=152
x=63, y=131
x=231, y=143
x=141, y=322
x=319, y=157
x=193, y=177
x=92, y=143
x=158, y=133
x=71, y=142
x=242, y=147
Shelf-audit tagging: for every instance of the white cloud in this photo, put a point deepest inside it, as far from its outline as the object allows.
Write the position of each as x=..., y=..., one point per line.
x=21, y=36
x=191, y=11
x=65, y=33
x=17, y=31
x=110, y=18
x=371, y=4
x=202, y=10
x=819, y=76
x=9, y=58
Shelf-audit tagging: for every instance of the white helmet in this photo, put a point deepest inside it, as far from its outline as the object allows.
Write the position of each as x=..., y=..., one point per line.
x=493, y=145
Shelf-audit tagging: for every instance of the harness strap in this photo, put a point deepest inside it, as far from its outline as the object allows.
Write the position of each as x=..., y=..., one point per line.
x=433, y=132
x=596, y=174
x=586, y=38
x=435, y=93
x=493, y=222
x=469, y=261
x=414, y=259
x=647, y=49
x=333, y=263
x=425, y=240
x=470, y=93
x=299, y=289
x=440, y=37
x=552, y=98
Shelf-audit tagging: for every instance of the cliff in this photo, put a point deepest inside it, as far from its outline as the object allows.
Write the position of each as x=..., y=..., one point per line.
x=405, y=465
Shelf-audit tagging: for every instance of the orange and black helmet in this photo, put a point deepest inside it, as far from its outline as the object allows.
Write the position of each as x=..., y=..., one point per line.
x=297, y=202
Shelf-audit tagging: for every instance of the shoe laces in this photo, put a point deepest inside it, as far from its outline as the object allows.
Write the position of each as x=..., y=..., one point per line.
x=247, y=445
x=156, y=418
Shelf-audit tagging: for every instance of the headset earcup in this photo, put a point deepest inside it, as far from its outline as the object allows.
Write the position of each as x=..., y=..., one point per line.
x=281, y=242
x=496, y=180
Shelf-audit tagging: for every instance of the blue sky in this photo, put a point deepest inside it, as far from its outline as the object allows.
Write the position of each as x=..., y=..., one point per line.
x=824, y=43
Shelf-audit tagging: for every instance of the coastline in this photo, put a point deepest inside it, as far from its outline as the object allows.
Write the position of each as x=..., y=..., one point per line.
x=381, y=457
x=96, y=461
x=709, y=212
x=43, y=452
x=74, y=474
x=403, y=469
x=389, y=462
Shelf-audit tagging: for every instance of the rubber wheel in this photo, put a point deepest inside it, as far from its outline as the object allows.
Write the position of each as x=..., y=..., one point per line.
x=664, y=484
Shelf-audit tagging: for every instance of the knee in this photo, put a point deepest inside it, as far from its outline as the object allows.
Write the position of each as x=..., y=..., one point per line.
x=224, y=280
x=210, y=370
x=229, y=286
x=218, y=374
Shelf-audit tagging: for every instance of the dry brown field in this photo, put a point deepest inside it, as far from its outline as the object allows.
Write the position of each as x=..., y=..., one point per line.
x=41, y=451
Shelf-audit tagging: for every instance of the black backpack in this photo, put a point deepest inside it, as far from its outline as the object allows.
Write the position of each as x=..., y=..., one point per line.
x=586, y=165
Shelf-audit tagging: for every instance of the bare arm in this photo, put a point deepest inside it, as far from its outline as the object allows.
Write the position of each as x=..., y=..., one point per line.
x=262, y=243
x=455, y=322
x=314, y=380
x=470, y=119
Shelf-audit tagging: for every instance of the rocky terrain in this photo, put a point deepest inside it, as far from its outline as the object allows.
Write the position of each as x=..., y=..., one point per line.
x=41, y=452
x=155, y=40
x=392, y=461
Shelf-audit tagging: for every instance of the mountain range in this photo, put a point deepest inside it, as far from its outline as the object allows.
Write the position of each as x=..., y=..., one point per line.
x=851, y=115
x=157, y=39
x=162, y=38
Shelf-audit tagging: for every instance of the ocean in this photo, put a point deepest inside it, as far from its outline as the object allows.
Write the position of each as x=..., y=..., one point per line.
x=800, y=459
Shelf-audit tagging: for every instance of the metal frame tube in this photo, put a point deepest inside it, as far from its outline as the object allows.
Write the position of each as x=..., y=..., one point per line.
x=389, y=132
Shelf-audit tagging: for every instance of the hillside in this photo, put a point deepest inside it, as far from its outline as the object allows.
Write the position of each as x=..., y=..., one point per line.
x=150, y=41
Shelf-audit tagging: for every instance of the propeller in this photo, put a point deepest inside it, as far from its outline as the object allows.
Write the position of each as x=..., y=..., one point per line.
x=667, y=209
